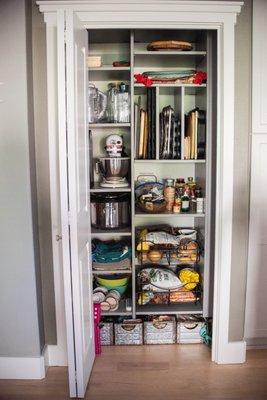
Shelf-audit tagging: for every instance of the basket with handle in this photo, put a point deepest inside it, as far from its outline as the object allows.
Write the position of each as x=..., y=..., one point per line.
x=149, y=194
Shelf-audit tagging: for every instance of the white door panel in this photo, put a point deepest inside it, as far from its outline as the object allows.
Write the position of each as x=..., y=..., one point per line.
x=78, y=175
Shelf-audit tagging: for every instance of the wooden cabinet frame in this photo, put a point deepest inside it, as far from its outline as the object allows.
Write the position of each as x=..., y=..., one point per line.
x=171, y=14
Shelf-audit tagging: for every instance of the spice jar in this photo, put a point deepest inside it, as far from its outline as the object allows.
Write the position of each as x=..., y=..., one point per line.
x=193, y=203
x=169, y=193
x=190, y=183
x=177, y=205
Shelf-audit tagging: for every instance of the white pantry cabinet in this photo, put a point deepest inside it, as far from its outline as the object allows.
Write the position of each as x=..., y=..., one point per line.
x=70, y=24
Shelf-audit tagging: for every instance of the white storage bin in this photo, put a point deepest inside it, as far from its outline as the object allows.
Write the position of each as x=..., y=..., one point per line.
x=160, y=332
x=129, y=333
x=189, y=332
x=107, y=333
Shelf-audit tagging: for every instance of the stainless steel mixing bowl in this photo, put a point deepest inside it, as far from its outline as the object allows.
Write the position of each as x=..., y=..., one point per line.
x=114, y=168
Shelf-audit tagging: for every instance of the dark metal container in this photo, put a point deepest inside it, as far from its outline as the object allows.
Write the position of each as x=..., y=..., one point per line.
x=110, y=211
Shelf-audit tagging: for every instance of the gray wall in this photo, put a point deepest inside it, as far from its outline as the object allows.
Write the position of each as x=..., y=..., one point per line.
x=42, y=172
x=242, y=170
x=21, y=325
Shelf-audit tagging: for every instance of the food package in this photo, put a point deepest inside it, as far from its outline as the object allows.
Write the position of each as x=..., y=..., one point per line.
x=189, y=278
x=159, y=280
x=148, y=239
x=183, y=296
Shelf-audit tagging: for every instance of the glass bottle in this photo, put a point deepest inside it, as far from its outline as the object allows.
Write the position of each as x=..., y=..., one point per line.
x=193, y=202
x=169, y=193
x=190, y=182
x=185, y=201
x=177, y=205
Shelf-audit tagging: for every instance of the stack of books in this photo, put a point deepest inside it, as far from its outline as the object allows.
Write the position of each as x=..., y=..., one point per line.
x=145, y=127
x=194, y=145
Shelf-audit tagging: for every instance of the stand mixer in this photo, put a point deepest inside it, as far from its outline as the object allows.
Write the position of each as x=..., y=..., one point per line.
x=114, y=168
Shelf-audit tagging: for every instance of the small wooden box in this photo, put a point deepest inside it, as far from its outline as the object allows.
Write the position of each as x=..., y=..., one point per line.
x=160, y=332
x=129, y=333
x=94, y=61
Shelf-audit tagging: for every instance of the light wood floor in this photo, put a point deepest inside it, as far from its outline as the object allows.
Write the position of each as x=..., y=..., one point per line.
x=156, y=373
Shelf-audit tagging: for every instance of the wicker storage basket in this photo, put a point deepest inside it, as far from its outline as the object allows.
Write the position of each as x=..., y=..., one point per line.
x=145, y=188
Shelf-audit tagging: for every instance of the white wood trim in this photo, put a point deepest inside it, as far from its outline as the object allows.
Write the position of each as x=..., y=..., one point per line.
x=64, y=198
x=256, y=327
x=151, y=6
x=219, y=15
x=22, y=367
x=259, y=57
x=224, y=351
x=57, y=354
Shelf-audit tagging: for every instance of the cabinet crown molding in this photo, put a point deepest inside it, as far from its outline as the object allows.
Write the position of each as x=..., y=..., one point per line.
x=193, y=6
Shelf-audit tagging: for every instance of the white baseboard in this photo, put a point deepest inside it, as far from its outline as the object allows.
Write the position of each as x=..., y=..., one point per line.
x=233, y=353
x=22, y=367
x=56, y=356
x=256, y=343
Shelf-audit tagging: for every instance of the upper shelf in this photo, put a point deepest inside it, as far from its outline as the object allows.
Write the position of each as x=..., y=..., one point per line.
x=141, y=49
x=172, y=85
x=108, y=68
x=139, y=161
x=99, y=189
x=109, y=125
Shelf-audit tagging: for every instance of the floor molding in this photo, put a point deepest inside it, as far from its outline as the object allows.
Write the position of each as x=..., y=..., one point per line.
x=256, y=343
x=22, y=367
x=233, y=353
x=56, y=356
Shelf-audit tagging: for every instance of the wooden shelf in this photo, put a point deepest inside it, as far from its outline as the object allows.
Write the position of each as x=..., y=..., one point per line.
x=162, y=161
x=109, y=125
x=108, y=68
x=179, y=308
x=120, y=311
x=110, y=233
x=125, y=271
x=193, y=85
x=98, y=189
x=141, y=48
x=168, y=215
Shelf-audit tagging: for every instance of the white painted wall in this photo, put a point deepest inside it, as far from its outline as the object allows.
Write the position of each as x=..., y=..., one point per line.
x=20, y=304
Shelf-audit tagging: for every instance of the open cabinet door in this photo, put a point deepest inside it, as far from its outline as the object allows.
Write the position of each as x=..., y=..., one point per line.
x=74, y=170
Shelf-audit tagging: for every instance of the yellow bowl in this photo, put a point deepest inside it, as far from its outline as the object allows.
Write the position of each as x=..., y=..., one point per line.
x=112, y=281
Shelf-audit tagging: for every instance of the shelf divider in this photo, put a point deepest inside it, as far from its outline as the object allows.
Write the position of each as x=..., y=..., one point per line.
x=157, y=123
x=132, y=171
x=182, y=122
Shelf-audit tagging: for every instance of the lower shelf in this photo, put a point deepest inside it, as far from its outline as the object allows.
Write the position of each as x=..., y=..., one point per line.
x=110, y=233
x=120, y=311
x=182, y=308
x=114, y=272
